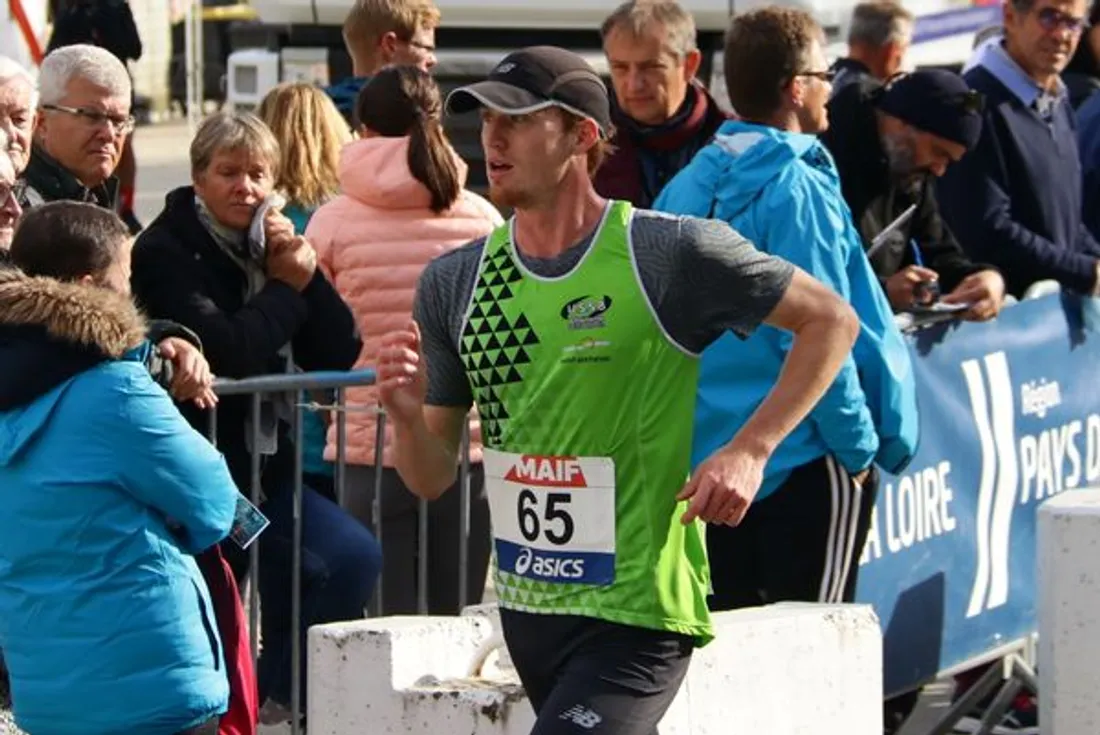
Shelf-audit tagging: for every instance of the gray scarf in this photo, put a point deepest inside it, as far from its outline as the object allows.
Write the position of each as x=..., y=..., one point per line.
x=247, y=251
x=236, y=244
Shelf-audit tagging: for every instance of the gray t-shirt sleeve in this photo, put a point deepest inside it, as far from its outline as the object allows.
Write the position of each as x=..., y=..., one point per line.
x=442, y=294
x=704, y=278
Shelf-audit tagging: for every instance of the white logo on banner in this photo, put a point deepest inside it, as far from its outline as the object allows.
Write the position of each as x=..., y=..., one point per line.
x=1057, y=454
x=992, y=402
x=1037, y=396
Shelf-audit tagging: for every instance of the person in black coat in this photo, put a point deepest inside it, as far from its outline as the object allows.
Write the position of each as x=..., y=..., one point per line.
x=889, y=142
x=260, y=306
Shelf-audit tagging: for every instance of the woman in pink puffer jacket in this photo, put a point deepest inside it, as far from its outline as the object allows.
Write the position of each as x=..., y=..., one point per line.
x=403, y=204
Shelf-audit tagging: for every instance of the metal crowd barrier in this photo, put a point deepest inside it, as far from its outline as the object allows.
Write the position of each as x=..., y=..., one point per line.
x=297, y=385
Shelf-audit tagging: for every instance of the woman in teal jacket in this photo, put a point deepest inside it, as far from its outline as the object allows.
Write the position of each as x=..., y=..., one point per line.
x=105, y=621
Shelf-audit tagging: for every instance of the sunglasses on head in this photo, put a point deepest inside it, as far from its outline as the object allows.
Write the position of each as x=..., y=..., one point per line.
x=970, y=102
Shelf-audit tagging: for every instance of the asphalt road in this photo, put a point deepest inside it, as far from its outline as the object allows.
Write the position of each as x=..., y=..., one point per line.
x=162, y=165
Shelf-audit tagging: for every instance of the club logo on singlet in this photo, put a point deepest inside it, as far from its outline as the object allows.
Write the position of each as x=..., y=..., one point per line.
x=587, y=312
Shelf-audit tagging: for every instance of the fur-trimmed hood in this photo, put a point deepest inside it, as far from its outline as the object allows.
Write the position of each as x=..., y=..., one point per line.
x=52, y=331
x=70, y=312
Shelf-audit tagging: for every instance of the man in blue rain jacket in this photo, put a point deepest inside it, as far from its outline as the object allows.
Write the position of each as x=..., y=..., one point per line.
x=769, y=177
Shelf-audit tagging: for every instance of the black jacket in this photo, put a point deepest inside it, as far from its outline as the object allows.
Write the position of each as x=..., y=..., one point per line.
x=46, y=180
x=849, y=71
x=180, y=273
x=32, y=362
x=105, y=23
x=876, y=198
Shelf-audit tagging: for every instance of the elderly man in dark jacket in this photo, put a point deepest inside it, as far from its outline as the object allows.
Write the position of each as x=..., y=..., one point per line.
x=663, y=116
x=84, y=119
x=889, y=143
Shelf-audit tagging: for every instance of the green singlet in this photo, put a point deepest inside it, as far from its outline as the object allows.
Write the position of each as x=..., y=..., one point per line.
x=586, y=408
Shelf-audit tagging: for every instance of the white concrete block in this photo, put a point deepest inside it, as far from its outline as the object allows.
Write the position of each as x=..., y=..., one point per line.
x=1068, y=545
x=783, y=670
x=408, y=675
x=789, y=669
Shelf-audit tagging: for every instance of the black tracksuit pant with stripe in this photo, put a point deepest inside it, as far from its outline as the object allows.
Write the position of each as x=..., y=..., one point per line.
x=801, y=543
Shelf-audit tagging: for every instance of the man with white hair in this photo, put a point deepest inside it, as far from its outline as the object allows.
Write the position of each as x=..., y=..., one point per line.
x=10, y=212
x=18, y=98
x=83, y=120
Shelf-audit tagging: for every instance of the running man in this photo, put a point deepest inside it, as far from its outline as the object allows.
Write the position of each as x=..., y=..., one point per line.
x=576, y=329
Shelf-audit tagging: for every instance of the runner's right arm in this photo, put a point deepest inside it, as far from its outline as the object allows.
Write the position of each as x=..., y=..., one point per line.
x=714, y=280
x=725, y=283
x=426, y=451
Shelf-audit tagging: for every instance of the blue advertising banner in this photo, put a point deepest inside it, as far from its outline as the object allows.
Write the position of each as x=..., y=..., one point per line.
x=1010, y=415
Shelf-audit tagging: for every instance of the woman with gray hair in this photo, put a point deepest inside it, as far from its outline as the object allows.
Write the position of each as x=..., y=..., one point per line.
x=260, y=306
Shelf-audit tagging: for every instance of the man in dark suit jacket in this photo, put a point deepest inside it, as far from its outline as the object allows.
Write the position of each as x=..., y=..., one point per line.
x=662, y=115
x=1015, y=201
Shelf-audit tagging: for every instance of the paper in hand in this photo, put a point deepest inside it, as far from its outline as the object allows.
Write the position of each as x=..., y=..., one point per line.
x=248, y=522
x=940, y=308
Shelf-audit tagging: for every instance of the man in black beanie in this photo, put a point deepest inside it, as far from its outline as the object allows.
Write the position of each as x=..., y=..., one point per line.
x=890, y=141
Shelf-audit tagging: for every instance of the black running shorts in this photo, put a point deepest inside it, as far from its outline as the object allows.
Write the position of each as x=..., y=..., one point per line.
x=584, y=675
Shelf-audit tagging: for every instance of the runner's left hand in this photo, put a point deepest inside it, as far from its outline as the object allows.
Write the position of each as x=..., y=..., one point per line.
x=722, y=488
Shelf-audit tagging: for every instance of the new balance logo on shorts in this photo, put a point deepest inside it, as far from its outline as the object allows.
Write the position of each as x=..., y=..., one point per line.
x=989, y=385
x=582, y=716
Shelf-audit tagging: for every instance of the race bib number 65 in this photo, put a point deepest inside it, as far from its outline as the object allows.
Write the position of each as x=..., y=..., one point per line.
x=553, y=517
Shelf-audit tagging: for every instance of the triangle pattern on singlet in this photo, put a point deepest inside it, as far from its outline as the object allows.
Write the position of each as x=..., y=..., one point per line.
x=493, y=347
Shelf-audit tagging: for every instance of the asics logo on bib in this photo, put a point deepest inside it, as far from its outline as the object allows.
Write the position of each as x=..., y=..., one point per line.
x=548, y=567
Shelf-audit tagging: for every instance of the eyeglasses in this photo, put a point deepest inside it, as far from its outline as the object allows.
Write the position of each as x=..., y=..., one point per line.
x=94, y=118
x=1052, y=19
x=826, y=76
x=10, y=196
x=425, y=47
